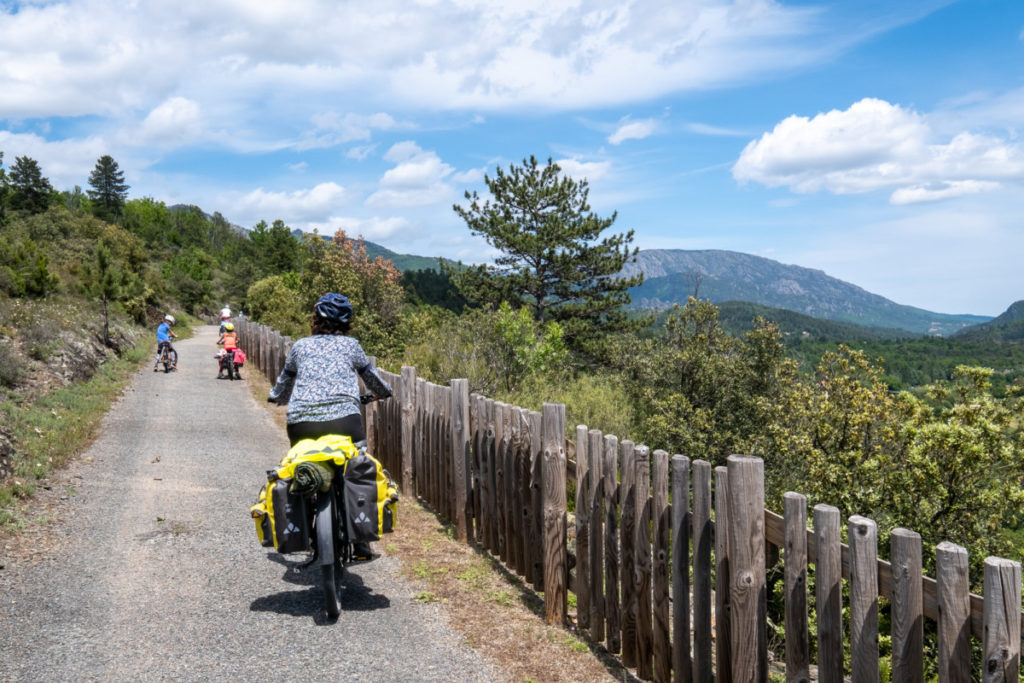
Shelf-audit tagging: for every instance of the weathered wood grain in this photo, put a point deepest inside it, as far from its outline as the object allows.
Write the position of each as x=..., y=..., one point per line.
x=553, y=480
x=703, y=541
x=907, y=607
x=747, y=584
x=798, y=652
x=682, y=671
x=828, y=586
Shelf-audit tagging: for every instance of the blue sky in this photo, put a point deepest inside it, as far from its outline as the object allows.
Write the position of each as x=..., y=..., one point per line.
x=876, y=140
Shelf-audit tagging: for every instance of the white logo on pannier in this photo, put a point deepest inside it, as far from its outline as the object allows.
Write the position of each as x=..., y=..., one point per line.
x=363, y=519
x=292, y=529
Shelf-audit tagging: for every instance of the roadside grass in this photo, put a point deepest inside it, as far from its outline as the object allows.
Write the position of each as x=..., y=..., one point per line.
x=54, y=428
x=57, y=426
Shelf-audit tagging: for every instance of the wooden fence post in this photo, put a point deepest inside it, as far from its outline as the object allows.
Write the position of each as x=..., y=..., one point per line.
x=370, y=419
x=627, y=538
x=828, y=588
x=594, y=449
x=420, y=438
x=460, y=456
x=500, y=441
x=954, y=623
x=662, y=522
x=554, y=473
x=703, y=535
x=517, y=553
x=583, y=473
x=537, y=496
x=476, y=425
x=798, y=653
x=681, y=666
x=488, y=474
x=747, y=585
x=723, y=632
x=264, y=352
x=1001, y=644
x=612, y=490
x=642, y=570
x=527, y=525
x=408, y=394
x=862, y=535
x=510, y=510
x=907, y=607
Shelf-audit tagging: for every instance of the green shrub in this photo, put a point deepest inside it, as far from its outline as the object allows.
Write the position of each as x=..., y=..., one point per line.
x=12, y=366
x=596, y=401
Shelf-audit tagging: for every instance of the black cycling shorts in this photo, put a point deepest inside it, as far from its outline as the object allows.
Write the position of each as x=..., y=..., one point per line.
x=350, y=426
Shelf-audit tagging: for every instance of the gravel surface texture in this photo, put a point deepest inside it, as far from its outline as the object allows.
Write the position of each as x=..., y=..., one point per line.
x=152, y=569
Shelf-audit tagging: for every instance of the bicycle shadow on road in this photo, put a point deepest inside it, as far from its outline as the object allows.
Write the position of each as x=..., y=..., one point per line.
x=355, y=595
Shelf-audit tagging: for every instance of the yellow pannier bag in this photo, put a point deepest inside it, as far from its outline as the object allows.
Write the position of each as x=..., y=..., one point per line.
x=262, y=519
x=282, y=517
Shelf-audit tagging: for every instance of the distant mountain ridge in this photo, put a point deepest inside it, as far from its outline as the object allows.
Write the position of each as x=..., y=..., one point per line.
x=403, y=262
x=672, y=275
x=1007, y=327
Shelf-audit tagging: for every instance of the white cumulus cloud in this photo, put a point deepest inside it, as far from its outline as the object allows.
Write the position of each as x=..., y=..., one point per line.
x=875, y=145
x=584, y=170
x=417, y=179
x=633, y=130
x=301, y=206
x=175, y=121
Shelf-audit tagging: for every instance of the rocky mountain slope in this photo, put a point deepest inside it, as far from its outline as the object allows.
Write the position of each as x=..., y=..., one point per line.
x=671, y=275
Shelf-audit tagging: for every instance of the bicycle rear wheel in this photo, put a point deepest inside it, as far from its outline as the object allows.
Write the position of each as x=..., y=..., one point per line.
x=326, y=550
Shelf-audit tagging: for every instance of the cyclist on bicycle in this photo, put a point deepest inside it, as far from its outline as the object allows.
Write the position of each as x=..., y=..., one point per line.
x=164, y=335
x=319, y=381
x=229, y=340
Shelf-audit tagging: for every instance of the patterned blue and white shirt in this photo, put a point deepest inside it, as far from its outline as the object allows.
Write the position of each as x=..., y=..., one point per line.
x=319, y=379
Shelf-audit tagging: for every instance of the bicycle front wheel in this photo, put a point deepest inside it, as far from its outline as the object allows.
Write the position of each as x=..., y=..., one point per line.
x=326, y=550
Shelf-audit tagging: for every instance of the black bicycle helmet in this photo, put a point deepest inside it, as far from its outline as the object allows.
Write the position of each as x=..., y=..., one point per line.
x=334, y=308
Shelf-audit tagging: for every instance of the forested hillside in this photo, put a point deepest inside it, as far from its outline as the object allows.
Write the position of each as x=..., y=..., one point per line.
x=548, y=322
x=1007, y=327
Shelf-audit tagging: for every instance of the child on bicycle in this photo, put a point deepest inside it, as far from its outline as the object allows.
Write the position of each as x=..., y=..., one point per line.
x=164, y=335
x=229, y=340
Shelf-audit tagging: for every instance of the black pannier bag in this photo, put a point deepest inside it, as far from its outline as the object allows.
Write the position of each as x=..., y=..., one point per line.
x=288, y=518
x=362, y=494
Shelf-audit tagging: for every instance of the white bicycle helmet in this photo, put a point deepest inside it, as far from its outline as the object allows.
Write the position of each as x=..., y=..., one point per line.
x=169, y=318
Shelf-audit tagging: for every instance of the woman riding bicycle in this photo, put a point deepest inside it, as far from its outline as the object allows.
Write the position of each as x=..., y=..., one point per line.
x=319, y=381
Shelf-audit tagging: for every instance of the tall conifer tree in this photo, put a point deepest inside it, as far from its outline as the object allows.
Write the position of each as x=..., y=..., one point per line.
x=553, y=258
x=109, y=190
x=30, y=190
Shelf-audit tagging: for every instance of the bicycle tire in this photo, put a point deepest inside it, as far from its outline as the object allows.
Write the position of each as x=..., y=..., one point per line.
x=325, y=550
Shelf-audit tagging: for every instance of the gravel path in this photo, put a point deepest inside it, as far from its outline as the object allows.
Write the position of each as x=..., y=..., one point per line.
x=153, y=572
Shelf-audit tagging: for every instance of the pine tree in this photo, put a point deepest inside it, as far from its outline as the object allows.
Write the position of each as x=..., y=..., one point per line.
x=30, y=191
x=553, y=259
x=109, y=190
x=4, y=191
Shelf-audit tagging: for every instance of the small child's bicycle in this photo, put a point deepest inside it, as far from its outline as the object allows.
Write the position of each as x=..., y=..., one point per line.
x=165, y=358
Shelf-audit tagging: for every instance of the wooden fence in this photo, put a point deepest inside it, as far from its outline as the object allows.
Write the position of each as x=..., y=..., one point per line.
x=642, y=569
